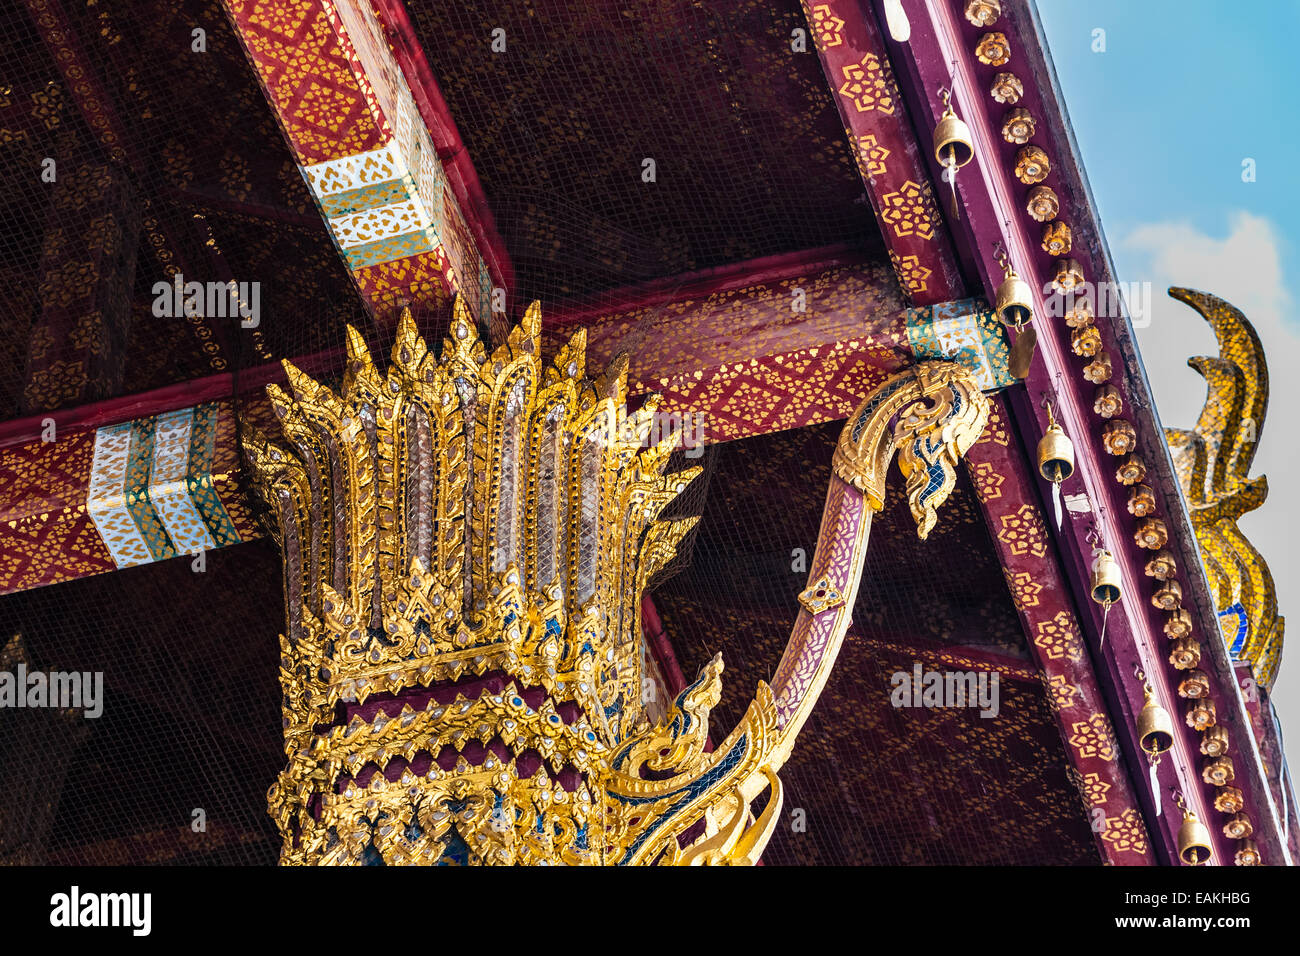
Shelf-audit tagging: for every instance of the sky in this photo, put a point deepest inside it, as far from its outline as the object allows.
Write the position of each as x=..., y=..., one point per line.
x=1165, y=115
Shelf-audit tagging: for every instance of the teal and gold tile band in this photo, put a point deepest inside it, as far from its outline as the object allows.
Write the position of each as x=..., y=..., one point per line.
x=168, y=486
x=964, y=331
x=199, y=480
x=138, y=469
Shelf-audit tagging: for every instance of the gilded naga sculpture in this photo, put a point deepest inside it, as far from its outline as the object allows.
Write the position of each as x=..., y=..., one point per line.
x=1213, y=461
x=466, y=538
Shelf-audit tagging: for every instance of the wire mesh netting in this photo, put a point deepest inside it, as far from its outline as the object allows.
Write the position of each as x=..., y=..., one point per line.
x=167, y=158
x=135, y=143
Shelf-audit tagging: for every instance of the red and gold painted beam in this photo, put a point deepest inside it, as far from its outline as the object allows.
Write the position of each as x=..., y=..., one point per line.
x=1008, y=494
x=354, y=127
x=101, y=493
x=778, y=343
x=990, y=55
x=890, y=159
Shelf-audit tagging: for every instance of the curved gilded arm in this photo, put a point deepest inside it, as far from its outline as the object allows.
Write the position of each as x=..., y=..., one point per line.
x=929, y=415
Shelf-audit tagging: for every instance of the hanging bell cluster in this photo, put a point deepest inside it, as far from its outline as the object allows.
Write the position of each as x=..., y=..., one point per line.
x=1055, y=451
x=1106, y=584
x=952, y=146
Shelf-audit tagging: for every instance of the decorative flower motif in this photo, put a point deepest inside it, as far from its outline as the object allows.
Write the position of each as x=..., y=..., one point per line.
x=983, y=13
x=1107, y=402
x=1141, y=501
x=1085, y=341
x=1018, y=126
x=821, y=596
x=1007, y=88
x=1248, y=854
x=1169, y=596
x=1200, y=714
x=1162, y=566
x=1093, y=737
x=1060, y=692
x=1218, y=772
x=1042, y=204
x=1024, y=589
x=89, y=334
x=1195, y=685
x=1098, y=370
x=1079, y=311
x=911, y=210
x=1178, y=624
x=1131, y=470
x=1229, y=800
x=55, y=386
x=1238, y=827
x=1057, y=238
x=1126, y=832
x=1118, y=436
x=870, y=154
x=988, y=483
x=911, y=274
x=1185, y=654
x=870, y=85
x=1032, y=165
x=828, y=28
x=1151, y=533
x=1069, y=276
x=1058, y=638
x=1094, y=789
x=1214, y=740
x=993, y=49
x=1023, y=532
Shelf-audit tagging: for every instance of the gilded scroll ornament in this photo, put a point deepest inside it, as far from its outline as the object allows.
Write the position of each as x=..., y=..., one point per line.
x=941, y=412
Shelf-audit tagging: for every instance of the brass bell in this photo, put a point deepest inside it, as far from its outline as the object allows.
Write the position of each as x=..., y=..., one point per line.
x=952, y=142
x=952, y=146
x=1106, y=588
x=1193, y=840
x=1055, y=451
x=1155, y=726
x=1014, y=301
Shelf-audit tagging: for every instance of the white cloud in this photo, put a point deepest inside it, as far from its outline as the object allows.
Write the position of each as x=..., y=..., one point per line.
x=1245, y=268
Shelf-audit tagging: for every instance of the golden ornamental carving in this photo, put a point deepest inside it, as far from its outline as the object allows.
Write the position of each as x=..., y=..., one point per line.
x=1007, y=88
x=466, y=538
x=1042, y=203
x=930, y=416
x=1018, y=128
x=1213, y=461
x=993, y=49
x=1057, y=238
x=1131, y=470
x=1098, y=371
x=1032, y=165
x=1068, y=275
x=983, y=13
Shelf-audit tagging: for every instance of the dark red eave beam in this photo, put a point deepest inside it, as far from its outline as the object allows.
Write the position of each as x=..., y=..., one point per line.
x=889, y=152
